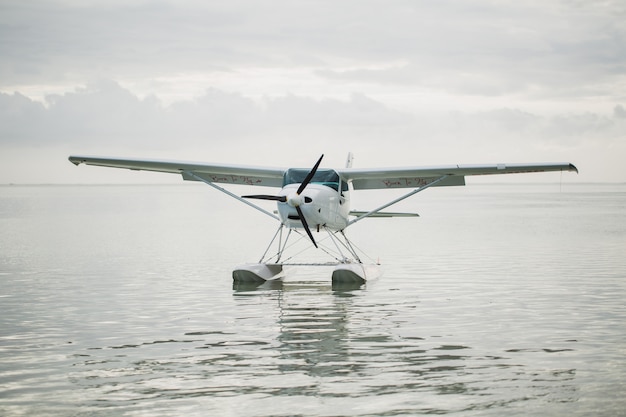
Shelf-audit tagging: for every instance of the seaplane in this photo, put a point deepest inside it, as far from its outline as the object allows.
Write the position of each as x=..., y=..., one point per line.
x=314, y=201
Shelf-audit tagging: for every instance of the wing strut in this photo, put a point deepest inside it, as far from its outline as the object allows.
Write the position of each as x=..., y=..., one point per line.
x=415, y=191
x=198, y=178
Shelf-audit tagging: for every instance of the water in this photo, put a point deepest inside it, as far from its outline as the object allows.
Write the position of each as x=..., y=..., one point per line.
x=499, y=300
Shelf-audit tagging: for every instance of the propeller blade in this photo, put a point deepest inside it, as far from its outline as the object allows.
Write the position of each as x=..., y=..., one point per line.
x=281, y=198
x=309, y=176
x=306, y=226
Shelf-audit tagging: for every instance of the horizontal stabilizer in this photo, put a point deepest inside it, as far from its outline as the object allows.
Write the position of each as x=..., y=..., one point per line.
x=382, y=214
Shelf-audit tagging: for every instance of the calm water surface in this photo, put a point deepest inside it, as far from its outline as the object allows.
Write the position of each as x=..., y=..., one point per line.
x=499, y=300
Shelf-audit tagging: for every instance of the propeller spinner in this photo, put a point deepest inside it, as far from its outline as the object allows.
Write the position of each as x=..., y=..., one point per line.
x=294, y=199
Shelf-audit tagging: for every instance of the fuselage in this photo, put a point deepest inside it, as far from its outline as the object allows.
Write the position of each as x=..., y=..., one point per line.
x=324, y=202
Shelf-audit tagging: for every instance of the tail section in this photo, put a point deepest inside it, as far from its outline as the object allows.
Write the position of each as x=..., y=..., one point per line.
x=349, y=160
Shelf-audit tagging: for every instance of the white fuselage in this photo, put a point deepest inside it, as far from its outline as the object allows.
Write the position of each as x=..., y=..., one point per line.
x=320, y=204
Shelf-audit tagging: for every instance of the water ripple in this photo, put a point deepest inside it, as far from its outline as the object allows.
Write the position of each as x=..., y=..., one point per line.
x=134, y=320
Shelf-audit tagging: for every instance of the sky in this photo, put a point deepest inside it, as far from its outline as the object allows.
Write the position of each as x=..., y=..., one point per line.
x=279, y=82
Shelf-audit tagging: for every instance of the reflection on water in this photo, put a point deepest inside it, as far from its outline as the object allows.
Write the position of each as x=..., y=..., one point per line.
x=314, y=348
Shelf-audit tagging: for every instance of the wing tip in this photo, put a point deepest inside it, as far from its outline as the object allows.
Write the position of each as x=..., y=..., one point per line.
x=76, y=161
x=572, y=167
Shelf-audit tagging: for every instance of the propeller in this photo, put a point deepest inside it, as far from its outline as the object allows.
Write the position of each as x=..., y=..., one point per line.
x=309, y=177
x=281, y=198
x=294, y=200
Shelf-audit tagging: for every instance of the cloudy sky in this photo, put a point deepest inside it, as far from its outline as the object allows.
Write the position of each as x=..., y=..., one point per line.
x=397, y=82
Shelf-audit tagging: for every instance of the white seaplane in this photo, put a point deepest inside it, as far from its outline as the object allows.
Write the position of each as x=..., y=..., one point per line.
x=318, y=199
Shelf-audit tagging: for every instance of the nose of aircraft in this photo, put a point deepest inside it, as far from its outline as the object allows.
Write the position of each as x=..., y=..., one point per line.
x=294, y=199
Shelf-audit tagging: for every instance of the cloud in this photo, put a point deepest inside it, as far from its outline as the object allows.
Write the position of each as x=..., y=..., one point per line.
x=20, y=118
x=405, y=82
x=103, y=118
x=105, y=114
x=98, y=113
x=543, y=48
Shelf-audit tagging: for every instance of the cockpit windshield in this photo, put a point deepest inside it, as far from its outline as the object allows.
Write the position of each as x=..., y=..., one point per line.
x=327, y=177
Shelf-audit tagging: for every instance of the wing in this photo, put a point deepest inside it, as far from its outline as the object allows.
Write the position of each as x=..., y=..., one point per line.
x=415, y=177
x=220, y=173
